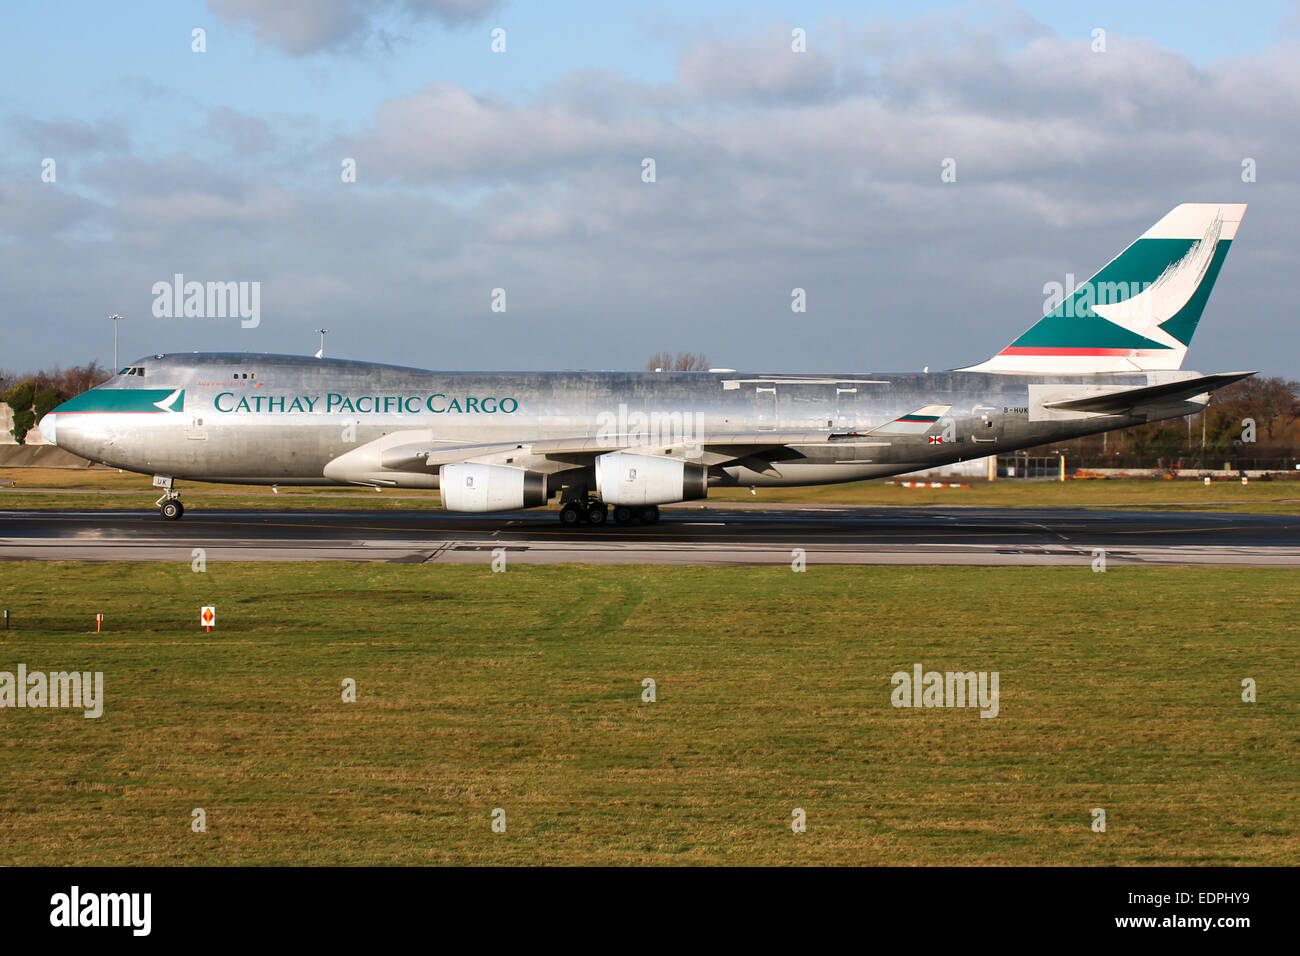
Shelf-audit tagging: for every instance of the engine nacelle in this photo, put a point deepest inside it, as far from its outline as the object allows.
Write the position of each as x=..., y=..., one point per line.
x=626, y=479
x=469, y=487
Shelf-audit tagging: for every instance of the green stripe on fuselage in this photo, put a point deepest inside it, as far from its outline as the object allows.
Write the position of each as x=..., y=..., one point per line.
x=122, y=400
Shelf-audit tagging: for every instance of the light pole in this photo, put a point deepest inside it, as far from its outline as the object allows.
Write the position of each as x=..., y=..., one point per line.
x=321, y=353
x=116, y=319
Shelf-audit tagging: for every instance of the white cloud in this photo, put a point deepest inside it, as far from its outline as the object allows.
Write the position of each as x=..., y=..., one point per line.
x=771, y=174
x=302, y=27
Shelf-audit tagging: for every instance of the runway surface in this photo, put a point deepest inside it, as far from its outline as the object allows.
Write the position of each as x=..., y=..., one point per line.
x=688, y=534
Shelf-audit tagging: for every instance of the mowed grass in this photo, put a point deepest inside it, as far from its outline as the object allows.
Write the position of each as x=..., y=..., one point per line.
x=84, y=489
x=78, y=489
x=1152, y=494
x=523, y=691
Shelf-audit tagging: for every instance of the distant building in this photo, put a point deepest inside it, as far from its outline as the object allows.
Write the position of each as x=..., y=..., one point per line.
x=972, y=468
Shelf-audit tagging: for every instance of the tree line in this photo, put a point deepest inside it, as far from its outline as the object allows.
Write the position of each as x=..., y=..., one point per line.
x=32, y=394
x=1251, y=423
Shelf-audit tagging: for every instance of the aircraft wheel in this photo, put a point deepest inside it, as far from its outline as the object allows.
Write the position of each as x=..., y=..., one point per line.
x=623, y=514
x=596, y=513
x=171, y=510
x=650, y=514
x=571, y=514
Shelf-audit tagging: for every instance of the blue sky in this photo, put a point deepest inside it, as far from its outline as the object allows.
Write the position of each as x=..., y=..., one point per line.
x=90, y=59
x=521, y=171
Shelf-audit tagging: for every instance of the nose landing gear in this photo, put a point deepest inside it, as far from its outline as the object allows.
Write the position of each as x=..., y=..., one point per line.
x=169, y=505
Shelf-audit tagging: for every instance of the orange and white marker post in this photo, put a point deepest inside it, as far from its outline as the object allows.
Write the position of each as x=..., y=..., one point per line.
x=207, y=617
x=99, y=623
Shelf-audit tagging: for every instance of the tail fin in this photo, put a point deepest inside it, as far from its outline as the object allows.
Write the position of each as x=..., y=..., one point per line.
x=1140, y=310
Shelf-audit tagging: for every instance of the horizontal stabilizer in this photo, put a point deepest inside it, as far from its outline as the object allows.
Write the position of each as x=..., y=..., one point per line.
x=1121, y=401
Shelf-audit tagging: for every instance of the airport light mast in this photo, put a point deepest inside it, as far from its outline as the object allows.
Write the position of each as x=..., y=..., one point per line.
x=321, y=353
x=116, y=319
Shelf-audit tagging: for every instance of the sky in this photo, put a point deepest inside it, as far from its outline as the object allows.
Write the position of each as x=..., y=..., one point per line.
x=129, y=155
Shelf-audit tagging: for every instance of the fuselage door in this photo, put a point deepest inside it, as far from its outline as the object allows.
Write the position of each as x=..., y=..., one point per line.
x=765, y=406
x=846, y=407
x=195, y=427
x=987, y=427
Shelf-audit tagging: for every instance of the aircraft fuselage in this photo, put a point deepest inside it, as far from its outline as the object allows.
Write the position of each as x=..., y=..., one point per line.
x=272, y=419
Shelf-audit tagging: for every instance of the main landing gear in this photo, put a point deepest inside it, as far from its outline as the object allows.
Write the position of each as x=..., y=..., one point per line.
x=594, y=513
x=626, y=514
x=589, y=511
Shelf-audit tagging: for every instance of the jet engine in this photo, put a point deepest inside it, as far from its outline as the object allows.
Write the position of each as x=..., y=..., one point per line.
x=626, y=479
x=470, y=487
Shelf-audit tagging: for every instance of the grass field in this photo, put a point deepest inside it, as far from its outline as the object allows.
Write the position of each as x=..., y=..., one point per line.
x=522, y=691
x=81, y=488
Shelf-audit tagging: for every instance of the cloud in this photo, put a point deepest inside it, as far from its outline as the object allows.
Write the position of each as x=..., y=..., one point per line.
x=773, y=172
x=303, y=27
x=443, y=130
x=240, y=133
x=764, y=67
x=70, y=136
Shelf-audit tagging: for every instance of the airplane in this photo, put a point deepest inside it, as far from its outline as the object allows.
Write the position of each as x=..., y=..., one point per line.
x=1108, y=356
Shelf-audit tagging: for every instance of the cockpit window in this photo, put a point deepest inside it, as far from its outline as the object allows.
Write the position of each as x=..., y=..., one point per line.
x=132, y=370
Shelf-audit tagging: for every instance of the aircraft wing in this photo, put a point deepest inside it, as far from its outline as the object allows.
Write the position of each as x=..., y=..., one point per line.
x=416, y=452
x=713, y=449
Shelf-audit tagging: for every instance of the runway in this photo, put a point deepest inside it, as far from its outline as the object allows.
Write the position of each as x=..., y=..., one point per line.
x=687, y=534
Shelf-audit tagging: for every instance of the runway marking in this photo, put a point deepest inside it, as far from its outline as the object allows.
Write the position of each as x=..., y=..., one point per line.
x=1060, y=537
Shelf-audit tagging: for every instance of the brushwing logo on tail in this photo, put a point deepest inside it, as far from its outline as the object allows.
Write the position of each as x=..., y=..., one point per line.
x=1140, y=310
x=1145, y=312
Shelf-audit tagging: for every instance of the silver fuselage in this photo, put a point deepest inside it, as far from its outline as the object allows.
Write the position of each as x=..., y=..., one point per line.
x=275, y=419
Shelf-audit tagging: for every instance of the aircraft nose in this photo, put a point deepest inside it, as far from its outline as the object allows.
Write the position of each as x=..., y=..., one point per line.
x=47, y=427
